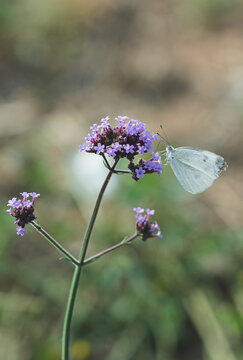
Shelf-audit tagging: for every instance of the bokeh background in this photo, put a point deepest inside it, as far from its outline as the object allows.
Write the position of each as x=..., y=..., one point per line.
x=64, y=64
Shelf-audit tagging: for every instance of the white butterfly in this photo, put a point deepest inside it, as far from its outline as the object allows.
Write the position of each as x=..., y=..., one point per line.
x=195, y=169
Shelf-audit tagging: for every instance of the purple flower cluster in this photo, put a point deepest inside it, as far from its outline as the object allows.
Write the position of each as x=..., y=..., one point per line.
x=22, y=210
x=128, y=139
x=143, y=225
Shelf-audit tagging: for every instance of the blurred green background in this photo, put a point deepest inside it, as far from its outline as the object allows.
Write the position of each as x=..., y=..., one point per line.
x=64, y=64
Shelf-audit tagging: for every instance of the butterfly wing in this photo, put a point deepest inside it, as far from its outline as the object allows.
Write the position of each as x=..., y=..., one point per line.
x=196, y=169
x=192, y=180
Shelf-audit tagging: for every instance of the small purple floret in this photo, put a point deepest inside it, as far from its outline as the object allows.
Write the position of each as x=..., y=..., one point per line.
x=116, y=146
x=139, y=210
x=99, y=148
x=111, y=152
x=129, y=148
x=13, y=202
x=141, y=149
x=25, y=195
x=140, y=172
x=22, y=210
x=20, y=231
x=149, y=212
x=82, y=148
x=34, y=195
x=94, y=127
x=144, y=226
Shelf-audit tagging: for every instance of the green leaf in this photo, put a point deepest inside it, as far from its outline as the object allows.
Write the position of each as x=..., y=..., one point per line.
x=65, y=258
x=105, y=164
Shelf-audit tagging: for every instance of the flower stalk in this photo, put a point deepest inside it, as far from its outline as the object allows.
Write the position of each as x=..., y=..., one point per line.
x=78, y=269
x=56, y=244
x=108, y=250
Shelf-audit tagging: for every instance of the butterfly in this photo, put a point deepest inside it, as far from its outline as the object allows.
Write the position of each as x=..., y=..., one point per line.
x=195, y=169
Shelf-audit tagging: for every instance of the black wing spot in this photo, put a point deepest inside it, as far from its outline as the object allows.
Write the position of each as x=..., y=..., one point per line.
x=205, y=158
x=221, y=164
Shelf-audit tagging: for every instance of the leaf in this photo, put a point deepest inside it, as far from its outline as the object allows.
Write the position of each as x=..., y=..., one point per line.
x=65, y=258
x=105, y=164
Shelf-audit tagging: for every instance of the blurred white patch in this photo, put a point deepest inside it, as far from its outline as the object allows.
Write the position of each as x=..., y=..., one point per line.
x=86, y=174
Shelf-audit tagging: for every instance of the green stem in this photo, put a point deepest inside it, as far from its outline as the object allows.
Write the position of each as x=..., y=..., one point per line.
x=118, y=172
x=78, y=269
x=108, y=250
x=54, y=243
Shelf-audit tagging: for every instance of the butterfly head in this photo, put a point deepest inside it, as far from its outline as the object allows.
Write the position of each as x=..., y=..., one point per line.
x=169, y=152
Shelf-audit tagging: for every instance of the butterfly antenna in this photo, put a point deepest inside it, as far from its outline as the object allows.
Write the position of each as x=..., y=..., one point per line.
x=165, y=141
x=165, y=135
x=162, y=138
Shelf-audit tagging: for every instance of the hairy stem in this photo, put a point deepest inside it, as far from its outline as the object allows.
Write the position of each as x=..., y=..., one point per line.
x=54, y=243
x=78, y=269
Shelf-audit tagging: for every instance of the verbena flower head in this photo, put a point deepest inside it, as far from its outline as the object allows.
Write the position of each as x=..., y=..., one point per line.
x=144, y=226
x=126, y=140
x=22, y=210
